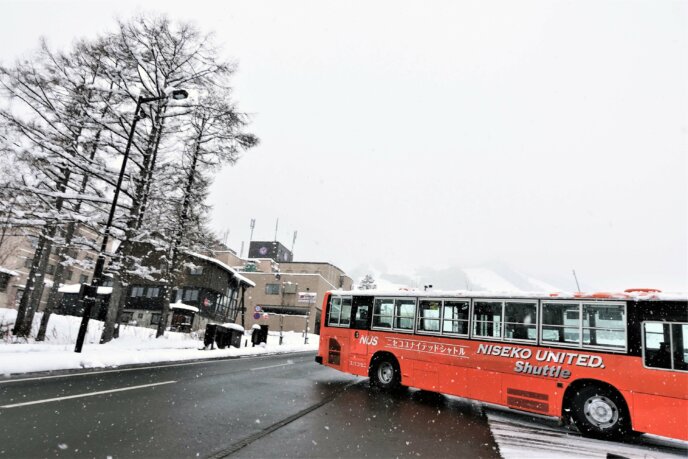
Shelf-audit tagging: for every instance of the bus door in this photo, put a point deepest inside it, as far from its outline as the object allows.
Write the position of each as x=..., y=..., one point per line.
x=361, y=312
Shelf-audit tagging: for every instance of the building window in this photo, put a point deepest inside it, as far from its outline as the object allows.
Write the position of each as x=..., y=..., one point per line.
x=155, y=319
x=28, y=262
x=272, y=289
x=190, y=295
x=196, y=270
x=68, y=274
x=137, y=291
x=4, y=280
x=83, y=279
x=126, y=317
x=152, y=292
x=50, y=269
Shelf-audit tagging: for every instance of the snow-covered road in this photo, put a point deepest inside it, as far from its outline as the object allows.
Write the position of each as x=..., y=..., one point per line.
x=520, y=436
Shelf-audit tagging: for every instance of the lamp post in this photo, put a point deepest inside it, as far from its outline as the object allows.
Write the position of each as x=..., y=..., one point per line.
x=88, y=293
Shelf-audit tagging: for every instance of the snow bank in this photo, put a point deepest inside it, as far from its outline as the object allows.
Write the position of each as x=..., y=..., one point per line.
x=136, y=345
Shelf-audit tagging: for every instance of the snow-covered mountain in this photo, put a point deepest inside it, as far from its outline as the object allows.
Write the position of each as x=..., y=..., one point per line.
x=494, y=277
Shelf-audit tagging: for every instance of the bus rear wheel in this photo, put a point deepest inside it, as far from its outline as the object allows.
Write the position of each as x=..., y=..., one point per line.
x=385, y=373
x=600, y=412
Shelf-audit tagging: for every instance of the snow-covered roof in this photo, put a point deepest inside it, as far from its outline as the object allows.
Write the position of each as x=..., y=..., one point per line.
x=75, y=288
x=233, y=326
x=630, y=294
x=225, y=267
x=8, y=271
x=180, y=305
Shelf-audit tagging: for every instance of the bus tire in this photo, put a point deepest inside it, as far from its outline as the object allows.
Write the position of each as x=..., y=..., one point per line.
x=600, y=412
x=385, y=373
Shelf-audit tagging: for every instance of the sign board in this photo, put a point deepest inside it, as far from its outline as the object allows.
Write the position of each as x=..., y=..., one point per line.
x=307, y=297
x=257, y=309
x=256, y=316
x=266, y=316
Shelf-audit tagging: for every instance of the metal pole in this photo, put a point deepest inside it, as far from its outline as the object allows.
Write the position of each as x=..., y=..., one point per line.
x=100, y=263
x=281, y=322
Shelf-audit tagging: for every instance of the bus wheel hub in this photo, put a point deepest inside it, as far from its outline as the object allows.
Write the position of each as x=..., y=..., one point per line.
x=601, y=411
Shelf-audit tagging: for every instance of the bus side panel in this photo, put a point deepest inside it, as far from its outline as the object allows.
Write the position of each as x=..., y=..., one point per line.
x=660, y=415
x=531, y=394
x=452, y=380
x=426, y=376
x=485, y=386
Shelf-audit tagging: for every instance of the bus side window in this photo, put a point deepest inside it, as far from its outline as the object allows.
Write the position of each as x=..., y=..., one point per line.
x=679, y=340
x=361, y=317
x=657, y=352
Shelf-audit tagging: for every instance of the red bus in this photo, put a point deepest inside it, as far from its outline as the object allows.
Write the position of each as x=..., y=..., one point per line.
x=611, y=364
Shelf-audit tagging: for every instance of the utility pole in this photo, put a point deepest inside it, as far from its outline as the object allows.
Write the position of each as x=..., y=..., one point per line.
x=276, y=226
x=88, y=293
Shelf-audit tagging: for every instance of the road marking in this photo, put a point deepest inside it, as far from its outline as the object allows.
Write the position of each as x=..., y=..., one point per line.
x=89, y=394
x=273, y=366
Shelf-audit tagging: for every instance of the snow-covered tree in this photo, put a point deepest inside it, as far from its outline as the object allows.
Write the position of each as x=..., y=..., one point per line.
x=183, y=142
x=367, y=283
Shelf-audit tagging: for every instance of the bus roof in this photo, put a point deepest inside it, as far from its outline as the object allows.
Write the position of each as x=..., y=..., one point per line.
x=631, y=294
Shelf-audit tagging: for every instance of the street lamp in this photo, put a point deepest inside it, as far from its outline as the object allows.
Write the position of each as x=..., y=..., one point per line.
x=88, y=293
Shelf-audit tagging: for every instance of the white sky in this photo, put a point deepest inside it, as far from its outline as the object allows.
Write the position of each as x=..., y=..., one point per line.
x=546, y=135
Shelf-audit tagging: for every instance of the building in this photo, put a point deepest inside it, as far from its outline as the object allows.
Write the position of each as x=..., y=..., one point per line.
x=16, y=256
x=286, y=295
x=269, y=249
x=208, y=291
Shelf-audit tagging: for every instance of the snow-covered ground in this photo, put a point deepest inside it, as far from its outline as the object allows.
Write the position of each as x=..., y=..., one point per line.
x=519, y=437
x=136, y=345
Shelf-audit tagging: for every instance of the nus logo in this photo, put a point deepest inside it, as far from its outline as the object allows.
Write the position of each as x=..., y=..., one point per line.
x=369, y=340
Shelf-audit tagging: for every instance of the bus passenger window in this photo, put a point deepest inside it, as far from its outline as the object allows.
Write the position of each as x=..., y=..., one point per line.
x=455, y=318
x=383, y=313
x=561, y=323
x=656, y=340
x=334, y=311
x=679, y=339
x=604, y=325
x=520, y=320
x=405, y=311
x=429, y=316
x=487, y=319
x=346, y=312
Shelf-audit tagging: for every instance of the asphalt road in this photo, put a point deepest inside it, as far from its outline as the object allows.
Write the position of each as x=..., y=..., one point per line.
x=276, y=406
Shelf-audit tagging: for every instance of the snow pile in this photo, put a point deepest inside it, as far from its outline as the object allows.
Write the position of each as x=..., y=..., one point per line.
x=136, y=345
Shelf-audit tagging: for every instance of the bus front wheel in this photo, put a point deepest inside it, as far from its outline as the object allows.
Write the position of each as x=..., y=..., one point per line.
x=600, y=412
x=385, y=374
